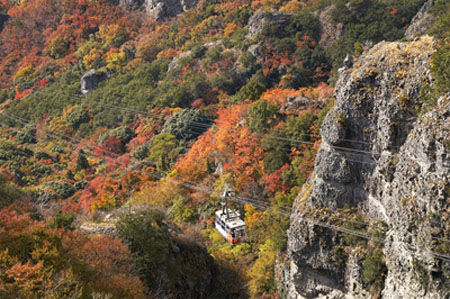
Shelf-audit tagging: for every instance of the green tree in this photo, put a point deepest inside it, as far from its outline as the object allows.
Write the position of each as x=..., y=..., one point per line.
x=82, y=162
x=187, y=124
x=8, y=192
x=180, y=210
x=164, y=149
x=252, y=90
x=261, y=114
x=441, y=58
x=148, y=238
x=123, y=133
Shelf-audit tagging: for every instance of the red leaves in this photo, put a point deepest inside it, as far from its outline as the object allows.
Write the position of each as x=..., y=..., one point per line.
x=55, y=28
x=42, y=83
x=273, y=182
x=20, y=94
x=34, y=259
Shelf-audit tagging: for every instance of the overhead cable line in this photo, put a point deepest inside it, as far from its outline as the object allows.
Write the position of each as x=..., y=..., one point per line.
x=286, y=213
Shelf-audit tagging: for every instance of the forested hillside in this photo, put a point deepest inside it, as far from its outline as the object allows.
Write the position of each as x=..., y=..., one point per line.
x=122, y=122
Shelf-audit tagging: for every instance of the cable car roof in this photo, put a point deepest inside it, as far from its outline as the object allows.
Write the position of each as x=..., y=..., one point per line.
x=233, y=221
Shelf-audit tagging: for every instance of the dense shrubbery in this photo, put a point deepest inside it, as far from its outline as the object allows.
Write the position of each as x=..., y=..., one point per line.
x=8, y=192
x=441, y=59
x=187, y=124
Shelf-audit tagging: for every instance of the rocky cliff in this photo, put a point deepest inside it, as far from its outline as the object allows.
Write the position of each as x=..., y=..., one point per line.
x=421, y=21
x=159, y=9
x=382, y=171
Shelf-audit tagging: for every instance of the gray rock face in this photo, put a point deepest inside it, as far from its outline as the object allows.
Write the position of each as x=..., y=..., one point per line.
x=330, y=31
x=131, y=4
x=295, y=104
x=159, y=9
x=388, y=163
x=421, y=21
x=175, y=61
x=257, y=22
x=91, y=79
x=254, y=50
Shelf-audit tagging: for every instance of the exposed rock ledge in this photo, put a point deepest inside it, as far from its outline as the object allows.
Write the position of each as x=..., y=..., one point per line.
x=159, y=9
x=398, y=172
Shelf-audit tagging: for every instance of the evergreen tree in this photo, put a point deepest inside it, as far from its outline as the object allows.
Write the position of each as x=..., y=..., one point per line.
x=82, y=162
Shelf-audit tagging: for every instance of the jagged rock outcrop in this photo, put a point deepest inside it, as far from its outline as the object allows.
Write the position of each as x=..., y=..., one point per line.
x=91, y=79
x=330, y=31
x=388, y=162
x=159, y=9
x=295, y=104
x=131, y=4
x=93, y=228
x=257, y=22
x=421, y=21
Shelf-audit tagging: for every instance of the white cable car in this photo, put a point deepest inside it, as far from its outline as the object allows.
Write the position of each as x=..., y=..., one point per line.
x=229, y=224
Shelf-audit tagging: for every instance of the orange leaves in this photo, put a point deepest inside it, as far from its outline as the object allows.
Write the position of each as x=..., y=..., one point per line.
x=246, y=161
x=279, y=96
x=114, y=260
x=20, y=94
x=273, y=182
x=292, y=6
x=35, y=261
x=14, y=222
x=392, y=10
x=55, y=28
x=231, y=145
x=26, y=276
x=230, y=29
x=194, y=163
x=106, y=192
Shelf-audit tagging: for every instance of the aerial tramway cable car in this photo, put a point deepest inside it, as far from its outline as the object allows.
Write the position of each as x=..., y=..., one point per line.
x=229, y=224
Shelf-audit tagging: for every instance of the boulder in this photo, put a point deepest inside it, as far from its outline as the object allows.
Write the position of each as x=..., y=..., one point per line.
x=257, y=22
x=254, y=50
x=159, y=9
x=91, y=79
x=175, y=61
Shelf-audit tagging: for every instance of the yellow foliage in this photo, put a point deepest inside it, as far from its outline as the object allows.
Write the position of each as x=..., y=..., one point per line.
x=252, y=217
x=167, y=54
x=105, y=202
x=59, y=124
x=225, y=181
x=24, y=73
x=58, y=46
x=93, y=58
x=269, y=4
x=116, y=60
x=262, y=272
x=293, y=6
x=198, y=32
x=230, y=29
x=113, y=34
x=160, y=194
